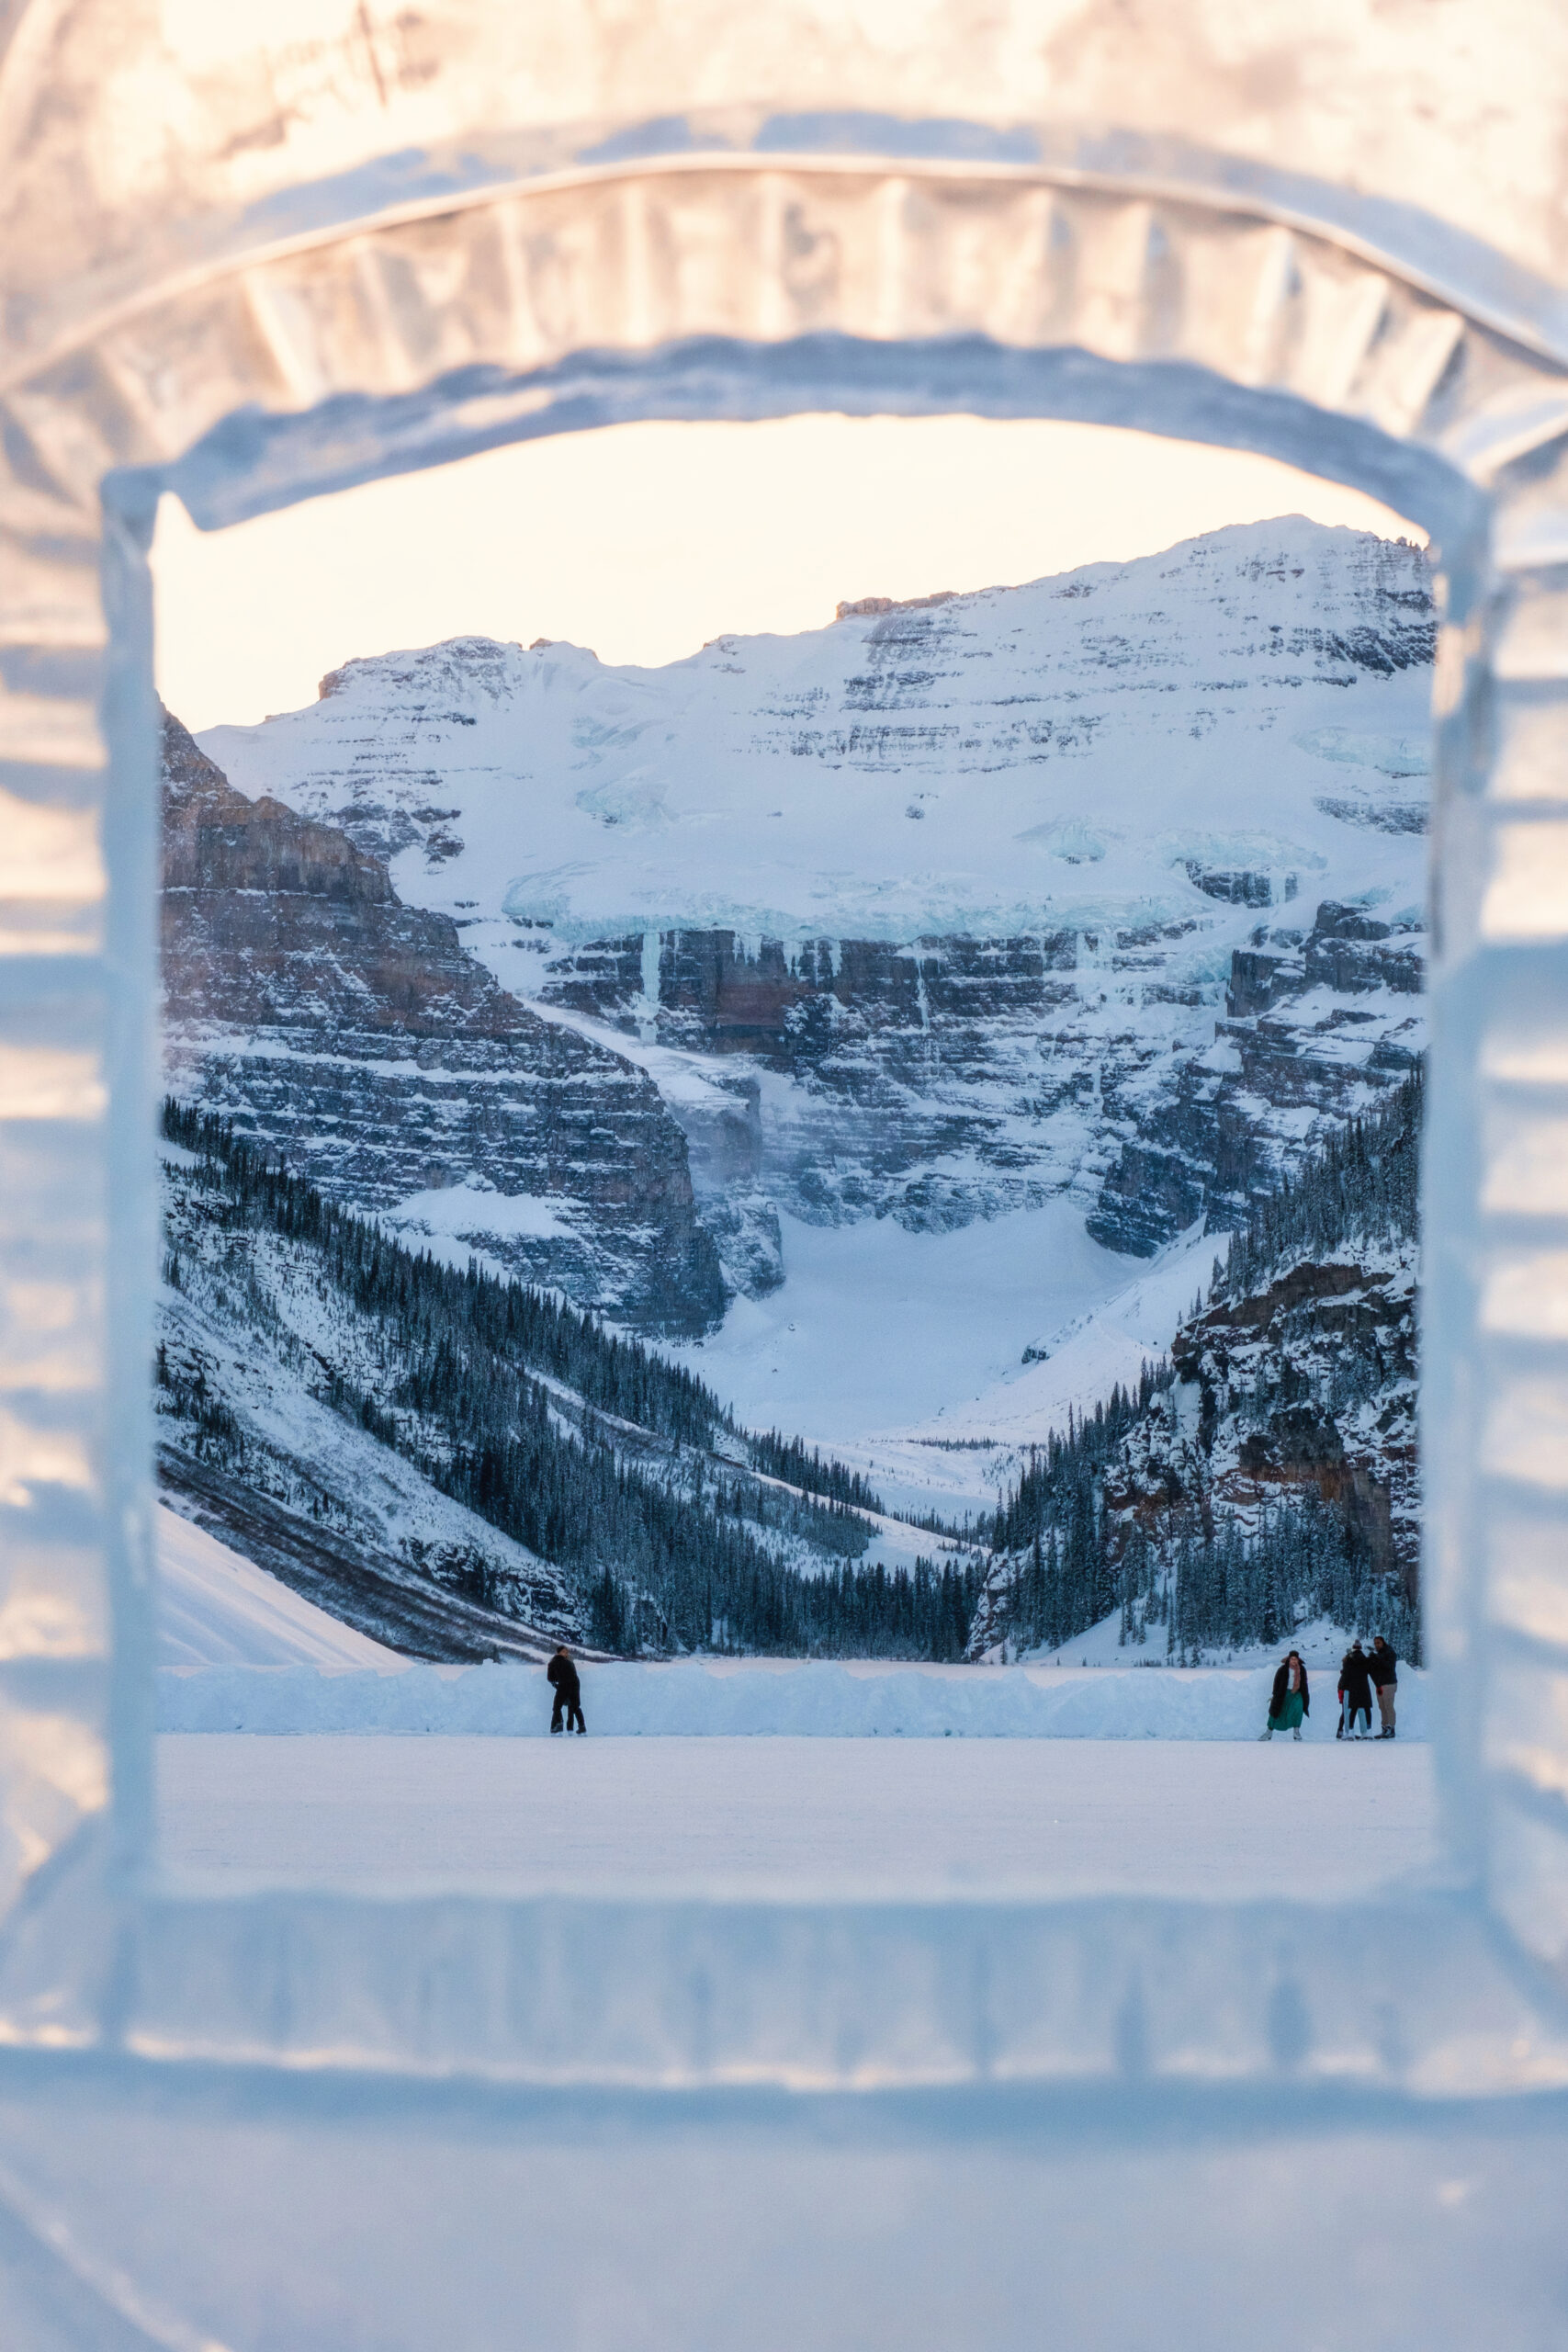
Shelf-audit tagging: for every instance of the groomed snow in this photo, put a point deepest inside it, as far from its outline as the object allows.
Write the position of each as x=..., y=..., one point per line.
x=241, y=1651
x=922, y=1819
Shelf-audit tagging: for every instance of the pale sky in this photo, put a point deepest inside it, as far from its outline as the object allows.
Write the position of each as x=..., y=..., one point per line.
x=644, y=541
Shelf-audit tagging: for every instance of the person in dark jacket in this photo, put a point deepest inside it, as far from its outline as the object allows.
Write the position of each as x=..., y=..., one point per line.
x=1383, y=1668
x=561, y=1675
x=1356, y=1692
x=1291, y=1699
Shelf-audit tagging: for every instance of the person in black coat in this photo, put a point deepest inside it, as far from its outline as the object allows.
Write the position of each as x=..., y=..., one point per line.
x=1356, y=1692
x=561, y=1675
x=1384, y=1668
x=1291, y=1697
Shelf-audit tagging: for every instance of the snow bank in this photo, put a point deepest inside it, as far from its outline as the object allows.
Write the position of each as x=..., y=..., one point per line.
x=239, y=1652
x=763, y=1697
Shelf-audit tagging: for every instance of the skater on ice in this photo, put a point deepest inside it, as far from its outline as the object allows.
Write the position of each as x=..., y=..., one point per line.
x=1355, y=1694
x=1383, y=1667
x=561, y=1675
x=1291, y=1699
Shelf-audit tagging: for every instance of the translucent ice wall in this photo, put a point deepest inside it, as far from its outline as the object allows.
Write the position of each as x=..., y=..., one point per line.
x=253, y=250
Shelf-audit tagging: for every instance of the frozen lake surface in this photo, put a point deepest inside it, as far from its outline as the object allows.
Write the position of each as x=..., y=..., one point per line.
x=822, y=1816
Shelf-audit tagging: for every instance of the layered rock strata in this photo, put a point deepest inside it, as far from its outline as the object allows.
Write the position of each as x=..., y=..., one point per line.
x=303, y=1000
x=1317, y=1025
x=957, y=883
x=960, y=1077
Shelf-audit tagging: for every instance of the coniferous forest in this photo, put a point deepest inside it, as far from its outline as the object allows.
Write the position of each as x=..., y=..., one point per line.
x=679, y=1530
x=1117, y=1516
x=642, y=1490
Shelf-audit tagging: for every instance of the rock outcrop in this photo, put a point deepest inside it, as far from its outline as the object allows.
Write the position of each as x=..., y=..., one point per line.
x=304, y=1000
x=1307, y=1386
x=962, y=1077
x=1318, y=1023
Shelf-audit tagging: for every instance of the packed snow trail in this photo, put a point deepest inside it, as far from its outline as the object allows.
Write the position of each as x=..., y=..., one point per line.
x=241, y=1651
x=832, y=1817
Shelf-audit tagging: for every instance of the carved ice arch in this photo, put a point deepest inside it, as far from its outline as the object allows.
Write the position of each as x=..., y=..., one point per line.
x=718, y=282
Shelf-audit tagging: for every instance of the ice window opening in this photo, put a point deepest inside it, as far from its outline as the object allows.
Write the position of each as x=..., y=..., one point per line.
x=262, y=266
x=940, y=1172
x=1380, y=374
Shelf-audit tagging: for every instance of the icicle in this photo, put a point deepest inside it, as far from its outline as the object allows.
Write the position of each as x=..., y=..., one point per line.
x=647, y=1006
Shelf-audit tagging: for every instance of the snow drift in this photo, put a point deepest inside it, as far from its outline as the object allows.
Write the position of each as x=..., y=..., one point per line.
x=805, y=1699
x=216, y=1608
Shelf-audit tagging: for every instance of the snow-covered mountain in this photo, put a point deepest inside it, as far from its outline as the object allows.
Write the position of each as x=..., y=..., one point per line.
x=462, y=1468
x=931, y=913
x=303, y=1000
x=1094, y=903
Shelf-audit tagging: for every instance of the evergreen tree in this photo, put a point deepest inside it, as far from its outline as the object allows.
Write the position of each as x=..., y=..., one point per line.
x=664, y=1538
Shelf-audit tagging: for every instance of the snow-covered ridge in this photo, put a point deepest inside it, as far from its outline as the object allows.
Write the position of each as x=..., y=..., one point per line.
x=1072, y=753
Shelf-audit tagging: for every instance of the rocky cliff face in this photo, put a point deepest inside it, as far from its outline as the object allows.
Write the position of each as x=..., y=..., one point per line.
x=967, y=1077
x=1266, y=1474
x=1317, y=1023
x=306, y=1001
x=1306, y=1387
x=1108, y=886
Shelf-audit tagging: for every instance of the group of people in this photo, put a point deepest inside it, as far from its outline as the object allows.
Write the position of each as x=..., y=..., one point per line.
x=1360, y=1673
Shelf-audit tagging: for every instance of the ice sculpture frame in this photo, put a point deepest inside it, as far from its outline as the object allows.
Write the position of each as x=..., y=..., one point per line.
x=858, y=266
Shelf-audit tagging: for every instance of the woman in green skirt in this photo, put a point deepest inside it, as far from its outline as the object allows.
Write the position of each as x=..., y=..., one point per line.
x=1291, y=1699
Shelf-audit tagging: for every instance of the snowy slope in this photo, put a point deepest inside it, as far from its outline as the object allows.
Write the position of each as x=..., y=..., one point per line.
x=904, y=1352
x=216, y=1608
x=250, y=1442
x=1025, y=759
x=1019, y=1351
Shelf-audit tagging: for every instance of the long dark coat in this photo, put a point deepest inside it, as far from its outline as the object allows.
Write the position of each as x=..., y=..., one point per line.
x=561, y=1673
x=1282, y=1688
x=1355, y=1681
